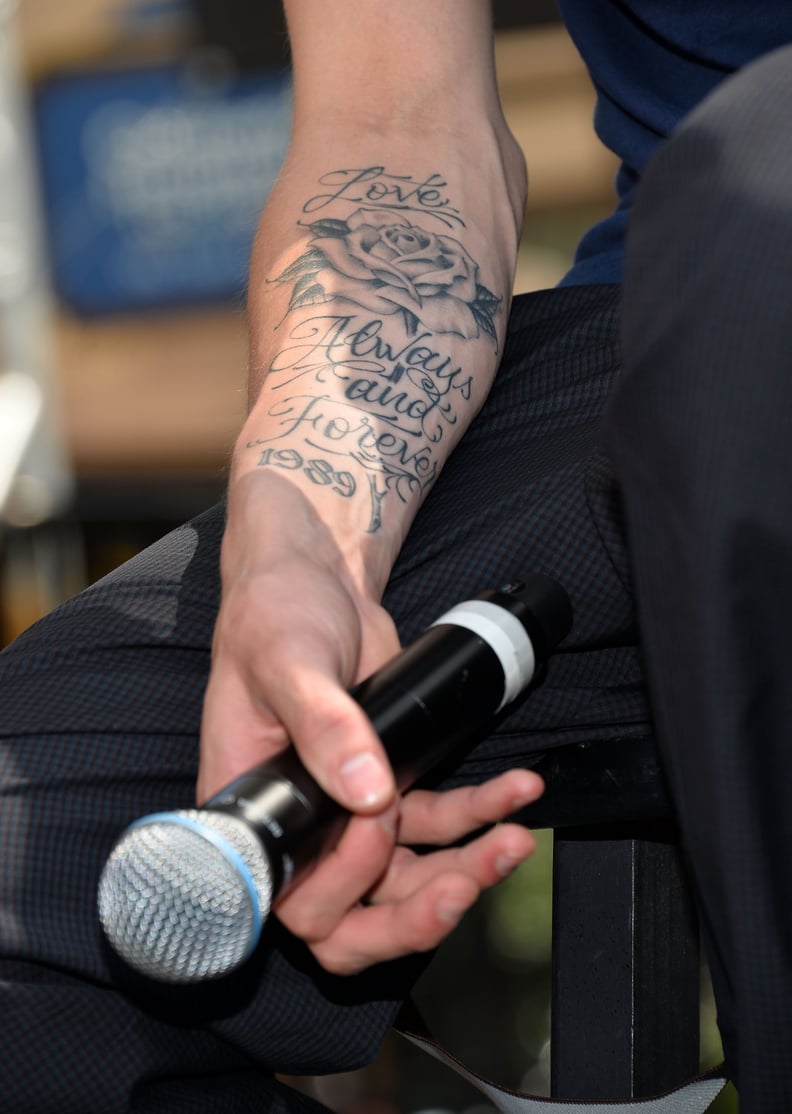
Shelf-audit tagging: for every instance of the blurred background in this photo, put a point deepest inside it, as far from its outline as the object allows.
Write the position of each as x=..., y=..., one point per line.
x=138, y=141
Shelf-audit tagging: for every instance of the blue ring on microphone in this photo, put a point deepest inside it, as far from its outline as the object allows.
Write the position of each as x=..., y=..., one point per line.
x=227, y=850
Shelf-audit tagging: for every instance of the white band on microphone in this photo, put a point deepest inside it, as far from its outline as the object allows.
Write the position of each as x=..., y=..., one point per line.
x=504, y=634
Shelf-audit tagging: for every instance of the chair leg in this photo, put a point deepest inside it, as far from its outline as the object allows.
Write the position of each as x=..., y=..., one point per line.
x=625, y=997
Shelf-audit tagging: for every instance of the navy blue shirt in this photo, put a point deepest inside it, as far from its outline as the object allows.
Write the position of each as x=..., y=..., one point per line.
x=651, y=61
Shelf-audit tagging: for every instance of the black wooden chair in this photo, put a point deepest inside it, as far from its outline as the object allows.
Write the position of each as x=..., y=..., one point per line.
x=625, y=990
x=625, y=1003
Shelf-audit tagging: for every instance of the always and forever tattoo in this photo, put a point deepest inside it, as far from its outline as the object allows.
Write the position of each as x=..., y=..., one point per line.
x=390, y=287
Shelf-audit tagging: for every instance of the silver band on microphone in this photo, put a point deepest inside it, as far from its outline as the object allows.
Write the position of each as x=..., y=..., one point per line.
x=506, y=637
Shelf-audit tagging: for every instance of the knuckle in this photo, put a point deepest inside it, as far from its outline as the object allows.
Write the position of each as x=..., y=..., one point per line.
x=325, y=717
x=336, y=963
x=310, y=925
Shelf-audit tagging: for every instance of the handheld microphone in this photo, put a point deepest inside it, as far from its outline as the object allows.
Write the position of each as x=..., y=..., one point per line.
x=184, y=895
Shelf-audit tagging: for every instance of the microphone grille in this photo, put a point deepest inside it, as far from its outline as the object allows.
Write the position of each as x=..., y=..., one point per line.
x=184, y=894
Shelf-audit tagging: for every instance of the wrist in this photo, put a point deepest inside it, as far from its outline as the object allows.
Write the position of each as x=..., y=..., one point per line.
x=278, y=515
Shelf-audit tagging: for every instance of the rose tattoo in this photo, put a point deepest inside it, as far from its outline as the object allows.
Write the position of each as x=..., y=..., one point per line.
x=391, y=266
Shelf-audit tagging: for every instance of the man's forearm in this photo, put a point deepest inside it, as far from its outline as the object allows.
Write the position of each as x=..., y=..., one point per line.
x=375, y=335
x=387, y=342
x=381, y=279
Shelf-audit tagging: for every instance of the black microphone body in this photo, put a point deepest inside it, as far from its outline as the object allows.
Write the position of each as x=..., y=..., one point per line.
x=436, y=697
x=431, y=700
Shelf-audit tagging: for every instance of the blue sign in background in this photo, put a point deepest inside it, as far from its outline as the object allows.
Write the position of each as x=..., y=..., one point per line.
x=153, y=180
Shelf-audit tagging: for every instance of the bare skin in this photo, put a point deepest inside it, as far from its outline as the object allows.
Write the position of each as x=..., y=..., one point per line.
x=380, y=286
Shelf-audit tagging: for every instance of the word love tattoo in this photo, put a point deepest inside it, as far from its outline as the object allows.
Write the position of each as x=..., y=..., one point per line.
x=375, y=188
x=389, y=266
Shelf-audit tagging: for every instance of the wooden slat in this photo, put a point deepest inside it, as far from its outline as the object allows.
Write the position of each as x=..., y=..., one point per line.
x=549, y=103
x=153, y=393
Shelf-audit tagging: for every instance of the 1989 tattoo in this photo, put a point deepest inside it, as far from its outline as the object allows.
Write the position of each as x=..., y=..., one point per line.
x=319, y=472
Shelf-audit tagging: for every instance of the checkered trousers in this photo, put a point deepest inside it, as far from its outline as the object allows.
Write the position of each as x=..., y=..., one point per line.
x=100, y=706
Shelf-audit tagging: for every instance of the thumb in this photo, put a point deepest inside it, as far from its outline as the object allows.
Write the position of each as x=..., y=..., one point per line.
x=336, y=742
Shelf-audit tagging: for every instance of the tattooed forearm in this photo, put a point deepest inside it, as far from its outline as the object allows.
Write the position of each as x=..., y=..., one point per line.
x=372, y=375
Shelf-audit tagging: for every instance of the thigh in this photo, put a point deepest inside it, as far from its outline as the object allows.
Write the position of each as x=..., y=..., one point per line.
x=100, y=709
x=529, y=490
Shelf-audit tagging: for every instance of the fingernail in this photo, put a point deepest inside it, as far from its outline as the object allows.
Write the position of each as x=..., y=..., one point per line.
x=389, y=819
x=528, y=795
x=506, y=864
x=522, y=800
x=451, y=909
x=365, y=779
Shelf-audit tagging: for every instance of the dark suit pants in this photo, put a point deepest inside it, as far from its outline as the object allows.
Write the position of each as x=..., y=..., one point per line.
x=100, y=703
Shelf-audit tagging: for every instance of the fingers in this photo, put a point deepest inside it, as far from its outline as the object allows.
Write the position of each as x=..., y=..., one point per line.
x=366, y=860
x=418, y=902
x=280, y=675
x=485, y=861
x=314, y=909
x=441, y=818
x=414, y=900
x=374, y=934
x=236, y=733
x=336, y=741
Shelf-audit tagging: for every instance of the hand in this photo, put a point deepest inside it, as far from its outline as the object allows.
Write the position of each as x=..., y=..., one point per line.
x=409, y=902
x=293, y=633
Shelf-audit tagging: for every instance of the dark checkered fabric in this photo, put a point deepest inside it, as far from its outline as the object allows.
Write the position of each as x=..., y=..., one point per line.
x=100, y=703
x=99, y=716
x=529, y=490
